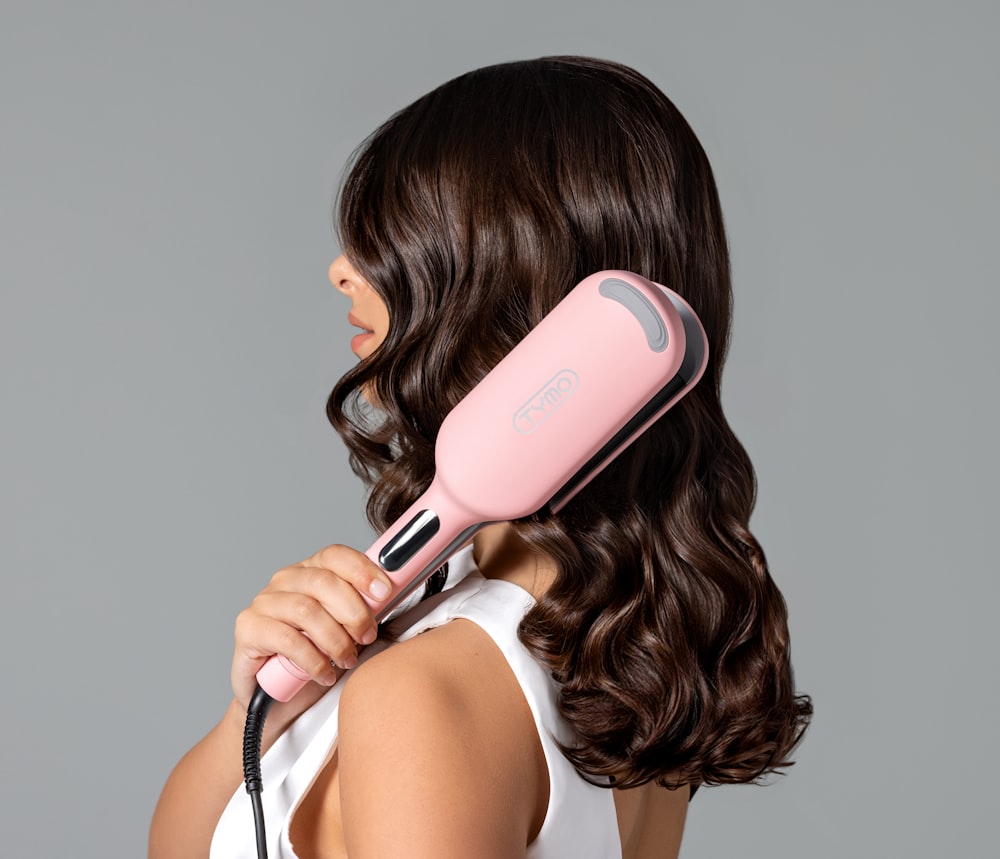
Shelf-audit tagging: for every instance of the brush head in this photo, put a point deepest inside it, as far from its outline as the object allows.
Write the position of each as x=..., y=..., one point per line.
x=565, y=392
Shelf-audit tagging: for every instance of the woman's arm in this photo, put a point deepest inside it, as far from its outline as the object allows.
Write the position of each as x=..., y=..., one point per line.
x=204, y=780
x=438, y=752
x=319, y=597
x=197, y=791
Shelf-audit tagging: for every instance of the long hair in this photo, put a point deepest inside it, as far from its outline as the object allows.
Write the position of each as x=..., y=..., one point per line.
x=472, y=212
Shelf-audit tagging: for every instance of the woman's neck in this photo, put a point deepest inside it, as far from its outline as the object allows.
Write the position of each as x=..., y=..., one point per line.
x=500, y=553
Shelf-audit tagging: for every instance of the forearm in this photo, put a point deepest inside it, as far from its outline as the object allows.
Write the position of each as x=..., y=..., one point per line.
x=204, y=780
x=202, y=783
x=197, y=791
x=335, y=622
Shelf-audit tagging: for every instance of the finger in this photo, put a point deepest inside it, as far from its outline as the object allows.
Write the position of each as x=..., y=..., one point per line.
x=353, y=566
x=345, y=605
x=338, y=598
x=325, y=625
x=259, y=637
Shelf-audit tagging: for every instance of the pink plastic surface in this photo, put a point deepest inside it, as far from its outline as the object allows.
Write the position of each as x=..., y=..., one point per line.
x=695, y=378
x=494, y=470
x=533, y=421
x=281, y=678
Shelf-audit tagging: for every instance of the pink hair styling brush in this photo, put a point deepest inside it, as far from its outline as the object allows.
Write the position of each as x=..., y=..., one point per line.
x=611, y=358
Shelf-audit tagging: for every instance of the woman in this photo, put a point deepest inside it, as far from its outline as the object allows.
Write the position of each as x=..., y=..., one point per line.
x=580, y=673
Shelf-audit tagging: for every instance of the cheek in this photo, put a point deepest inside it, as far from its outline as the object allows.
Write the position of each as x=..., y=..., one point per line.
x=380, y=321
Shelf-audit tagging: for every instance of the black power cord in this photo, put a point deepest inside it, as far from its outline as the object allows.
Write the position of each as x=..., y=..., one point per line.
x=260, y=706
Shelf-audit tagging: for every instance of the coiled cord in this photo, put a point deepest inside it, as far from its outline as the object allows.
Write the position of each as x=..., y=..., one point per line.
x=260, y=706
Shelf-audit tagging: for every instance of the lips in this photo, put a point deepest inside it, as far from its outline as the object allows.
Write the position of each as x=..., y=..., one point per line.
x=358, y=340
x=357, y=323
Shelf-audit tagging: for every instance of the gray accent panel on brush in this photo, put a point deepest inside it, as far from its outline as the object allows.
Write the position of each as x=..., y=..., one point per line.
x=640, y=307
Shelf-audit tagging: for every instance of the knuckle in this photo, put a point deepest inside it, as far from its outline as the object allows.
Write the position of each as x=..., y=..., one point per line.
x=345, y=562
x=328, y=555
x=359, y=618
x=303, y=608
x=279, y=577
x=288, y=641
x=241, y=622
x=316, y=577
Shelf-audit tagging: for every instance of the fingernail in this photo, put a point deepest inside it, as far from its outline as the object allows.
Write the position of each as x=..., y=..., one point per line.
x=379, y=589
x=350, y=662
x=369, y=636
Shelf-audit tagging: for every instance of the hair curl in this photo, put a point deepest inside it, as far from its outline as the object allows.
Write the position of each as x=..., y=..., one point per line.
x=472, y=212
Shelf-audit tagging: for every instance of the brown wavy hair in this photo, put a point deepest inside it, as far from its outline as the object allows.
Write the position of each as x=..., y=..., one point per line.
x=472, y=212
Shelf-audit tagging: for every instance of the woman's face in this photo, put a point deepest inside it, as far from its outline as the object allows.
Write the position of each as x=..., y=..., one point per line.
x=368, y=311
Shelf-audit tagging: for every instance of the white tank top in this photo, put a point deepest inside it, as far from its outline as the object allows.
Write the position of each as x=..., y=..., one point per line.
x=580, y=822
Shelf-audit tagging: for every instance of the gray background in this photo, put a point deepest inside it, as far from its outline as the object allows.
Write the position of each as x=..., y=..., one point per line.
x=168, y=339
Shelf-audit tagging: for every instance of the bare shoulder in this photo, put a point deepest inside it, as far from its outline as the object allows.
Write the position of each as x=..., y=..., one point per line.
x=436, y=734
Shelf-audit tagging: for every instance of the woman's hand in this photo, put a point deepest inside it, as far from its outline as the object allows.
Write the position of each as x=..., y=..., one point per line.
x=313, y=614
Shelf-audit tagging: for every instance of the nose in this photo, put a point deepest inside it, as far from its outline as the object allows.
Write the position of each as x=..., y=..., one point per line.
x=342, y=275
